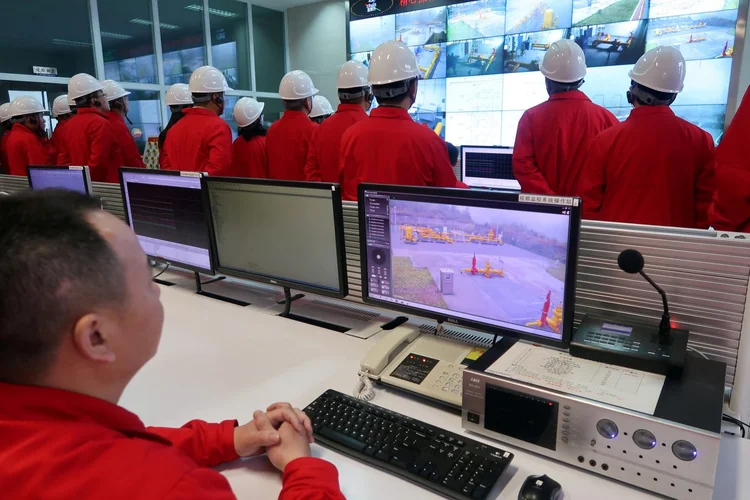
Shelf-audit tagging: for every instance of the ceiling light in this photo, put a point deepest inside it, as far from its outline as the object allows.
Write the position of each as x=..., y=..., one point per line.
x=119, y=36
x=146, y=22
x=215, y=12
x=70, y=43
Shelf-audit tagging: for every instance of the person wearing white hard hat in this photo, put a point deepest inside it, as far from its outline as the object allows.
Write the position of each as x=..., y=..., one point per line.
x=390, y=147
x=119, y=107
x=288, y=139
x=322, y=109
x=356, y=100
x=62, y=113
x=201, y=141
x=89, y=138
x=25, y=145
x=249, y=154
x=5, y=127
x=178, y=99
x=553, y=138
x=654, y=168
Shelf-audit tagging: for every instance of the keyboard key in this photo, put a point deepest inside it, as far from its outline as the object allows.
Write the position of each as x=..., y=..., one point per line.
x=370, y=451
x=383, y=455
x=342, y=439
x=481, y=492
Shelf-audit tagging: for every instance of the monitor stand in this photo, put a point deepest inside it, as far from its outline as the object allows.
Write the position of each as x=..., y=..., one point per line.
x=288, y=299
x=199, y=290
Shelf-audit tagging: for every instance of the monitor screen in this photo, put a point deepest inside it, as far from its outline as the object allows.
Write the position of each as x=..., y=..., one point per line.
x=72, y=178
x=496, y=261
x=284, y=233
x=483, y=166
x=165, y=210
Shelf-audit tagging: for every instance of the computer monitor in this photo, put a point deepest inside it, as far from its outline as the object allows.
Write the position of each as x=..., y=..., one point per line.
x=75, y=179
x=488, y=166
x=289, y=234
x=496, y=261
x=166, y=211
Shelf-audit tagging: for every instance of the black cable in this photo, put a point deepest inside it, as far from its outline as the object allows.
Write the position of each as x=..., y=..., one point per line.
x=494, y=341
x=738, y=423
x=162, y=271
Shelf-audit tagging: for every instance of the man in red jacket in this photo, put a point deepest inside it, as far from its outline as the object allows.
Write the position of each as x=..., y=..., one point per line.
x=325, y=148
x=553, y=138
x=654, y=168
x=119, y=106
x=89, y=138
x=389, y=147
x=81, y=316
x=201, y=141
x=26, y=146
x=288, y=140
x=62, y=113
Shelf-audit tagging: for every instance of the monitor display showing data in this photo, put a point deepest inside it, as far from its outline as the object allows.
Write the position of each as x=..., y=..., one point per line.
x=71, y=178
x=492, y=167
x=492, y=260
x=166, y=212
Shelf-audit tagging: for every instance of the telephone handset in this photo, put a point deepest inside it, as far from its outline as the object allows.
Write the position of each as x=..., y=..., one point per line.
x=384, y=351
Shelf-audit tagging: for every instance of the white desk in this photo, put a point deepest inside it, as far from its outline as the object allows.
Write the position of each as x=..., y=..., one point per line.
x=218, y=361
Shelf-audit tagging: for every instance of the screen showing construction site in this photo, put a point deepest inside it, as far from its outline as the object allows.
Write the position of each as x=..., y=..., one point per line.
x=501, y=44
x=495, y=261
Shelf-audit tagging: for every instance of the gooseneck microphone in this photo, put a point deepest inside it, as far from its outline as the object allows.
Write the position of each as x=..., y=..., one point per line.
x=632, y=262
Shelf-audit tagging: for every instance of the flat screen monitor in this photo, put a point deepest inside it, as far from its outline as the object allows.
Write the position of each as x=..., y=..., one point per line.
x=497, y=261
x=75, y=179
x=165, y=210
x=289, y=234
x=487, y=166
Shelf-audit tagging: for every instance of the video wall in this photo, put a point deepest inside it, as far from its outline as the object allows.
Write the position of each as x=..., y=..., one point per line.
x=480, y=59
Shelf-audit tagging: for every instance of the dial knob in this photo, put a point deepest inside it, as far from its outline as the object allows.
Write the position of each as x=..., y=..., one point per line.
x=607, y=429
x=644, y=439
x=684, y=450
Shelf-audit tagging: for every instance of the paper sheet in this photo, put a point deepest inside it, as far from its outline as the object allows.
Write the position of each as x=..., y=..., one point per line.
x=632, y=389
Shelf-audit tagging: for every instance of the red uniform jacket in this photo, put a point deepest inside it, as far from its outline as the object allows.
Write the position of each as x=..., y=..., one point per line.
x=390, y=148
x=325, y=149
x=60, y=444
x=4, y=151
x=654, y=168
x=552, y=142
x=24, y=148
x=200, y=142
x=131, y=157
x=730, y=210
x=58, y=132
x=250, y=158
x=288, y=141
x=90, y=140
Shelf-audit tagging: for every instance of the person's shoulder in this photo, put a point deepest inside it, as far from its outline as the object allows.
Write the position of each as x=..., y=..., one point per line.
x=694, y=130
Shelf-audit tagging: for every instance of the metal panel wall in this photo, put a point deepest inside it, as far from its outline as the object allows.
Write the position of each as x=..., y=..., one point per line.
x=13, y=183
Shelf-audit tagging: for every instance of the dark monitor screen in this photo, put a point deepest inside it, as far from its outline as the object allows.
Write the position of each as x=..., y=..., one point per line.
x=497, y=261
x=72, y=178
x=284, y=233
x=488, y=166
x=165, y=209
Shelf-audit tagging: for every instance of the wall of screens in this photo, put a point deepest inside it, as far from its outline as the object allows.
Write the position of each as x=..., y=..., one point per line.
x=480, y=59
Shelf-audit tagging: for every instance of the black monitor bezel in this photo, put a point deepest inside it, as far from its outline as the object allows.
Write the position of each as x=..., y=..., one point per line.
x=88, y=185
x=338, y=221
x=467, y=194
x=171, y=262
x=463, y=163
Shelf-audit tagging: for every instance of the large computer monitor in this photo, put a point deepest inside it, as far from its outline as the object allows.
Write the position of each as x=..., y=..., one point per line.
x=289, y=234
x=166, y=211
x=500, y=262
x=488, y=166
x=72, y=178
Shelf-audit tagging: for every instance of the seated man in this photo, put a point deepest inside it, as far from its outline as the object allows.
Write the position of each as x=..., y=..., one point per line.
x=80, y=316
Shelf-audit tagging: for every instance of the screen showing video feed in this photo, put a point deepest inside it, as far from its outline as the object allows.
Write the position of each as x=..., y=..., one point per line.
x=367, y=34
x=526, y=16
x=483, y=19
x=665, y=8
x=363, y=57
x=612, y=44
x=696, y=36
x=483, y=56
x=607, y=86
x=525, y=52
x=429, y=109
x=590, y=12
x=422, y=27
x=495, y=263
x=431, y=59
x=706, y=82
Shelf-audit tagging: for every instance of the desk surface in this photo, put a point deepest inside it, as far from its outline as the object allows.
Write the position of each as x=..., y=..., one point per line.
x=219, y=361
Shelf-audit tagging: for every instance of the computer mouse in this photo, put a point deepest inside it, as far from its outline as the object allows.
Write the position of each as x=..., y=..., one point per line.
x=540, y=488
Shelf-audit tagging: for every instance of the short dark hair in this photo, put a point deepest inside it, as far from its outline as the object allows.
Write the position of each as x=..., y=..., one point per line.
x=452, y=154
x=294, y=105
x=54, y=267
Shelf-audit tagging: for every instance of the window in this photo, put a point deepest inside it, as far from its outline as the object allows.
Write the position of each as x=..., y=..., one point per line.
x=268, y=41
x=127, y=40
x=45, y=93
x=182, y=42
x=229, y=41
x=144, y=116
x=273, y=110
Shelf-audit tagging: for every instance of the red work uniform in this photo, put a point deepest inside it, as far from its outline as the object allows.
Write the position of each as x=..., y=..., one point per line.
x=325, y=149
x=104, y=451
x=654, y=168
x=89, y=140
x=390, y=148
x=200, y=142
x=552, y=142
x=288, y=141
x=4, y=151
x=250, y=158
x=58, y=132
x=131, y=157
x=24, y=148
x=730, y=210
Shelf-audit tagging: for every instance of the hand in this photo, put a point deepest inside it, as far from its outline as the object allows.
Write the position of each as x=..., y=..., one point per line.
x=292, y=445
x=294, y=416
x=252, y=439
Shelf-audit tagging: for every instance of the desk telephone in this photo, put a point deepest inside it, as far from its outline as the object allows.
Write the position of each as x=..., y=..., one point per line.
x=425, y=364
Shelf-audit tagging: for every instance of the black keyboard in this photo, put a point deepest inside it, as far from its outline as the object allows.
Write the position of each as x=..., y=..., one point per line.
x=444, y=462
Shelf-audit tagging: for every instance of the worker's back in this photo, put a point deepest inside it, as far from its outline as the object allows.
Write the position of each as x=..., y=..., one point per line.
x=200, y=142
x=287, y=144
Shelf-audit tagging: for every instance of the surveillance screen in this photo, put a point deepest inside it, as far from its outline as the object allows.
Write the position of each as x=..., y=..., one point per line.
x=612, y=44
x=475, y=57
x=525, y=52
x=696, y=36
x=525, y=16
x=483, y=19
x=663, y=8
x=421, y=27
x=589, y=12
x=367, y=34
x=431, y=59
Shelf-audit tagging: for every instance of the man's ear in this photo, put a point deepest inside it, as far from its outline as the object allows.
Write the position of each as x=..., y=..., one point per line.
x=92, y=335
x=413, y=88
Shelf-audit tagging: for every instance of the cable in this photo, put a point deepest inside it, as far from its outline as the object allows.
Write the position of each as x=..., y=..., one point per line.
x=696, y=351
x=737, y=422
x=364, y=390
x=162, y=271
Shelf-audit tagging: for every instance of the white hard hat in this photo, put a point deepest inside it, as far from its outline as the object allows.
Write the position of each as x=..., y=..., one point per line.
x=71, y=101
x=393, y=62
x=113, y=90
x=321, y=107
x=179, y=95
x=60, y=106
x=82, y=85
x=352, y=75
x=4, y=112
x=297, y=85
x=208, y=80
x=661, y=69
x=247, y=110
x=564, y=62
x=25, y=105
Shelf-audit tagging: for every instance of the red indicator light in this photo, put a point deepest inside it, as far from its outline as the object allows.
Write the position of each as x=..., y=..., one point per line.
x=424, y=360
